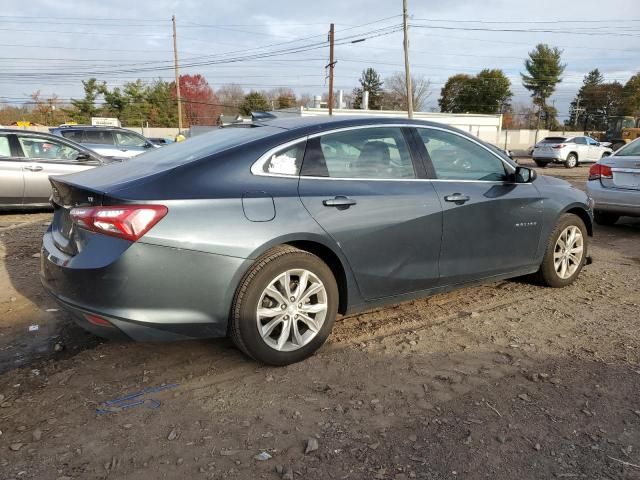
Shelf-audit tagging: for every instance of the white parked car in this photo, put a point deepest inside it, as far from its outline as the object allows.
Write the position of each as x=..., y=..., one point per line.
x=571, y=151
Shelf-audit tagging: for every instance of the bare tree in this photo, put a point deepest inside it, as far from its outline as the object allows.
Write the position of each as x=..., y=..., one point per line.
x=231, y=96
x=395, y=95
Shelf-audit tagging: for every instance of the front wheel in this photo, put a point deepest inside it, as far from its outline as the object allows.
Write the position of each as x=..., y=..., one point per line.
x=571, y=161
x=566, y=252
x=285, y=307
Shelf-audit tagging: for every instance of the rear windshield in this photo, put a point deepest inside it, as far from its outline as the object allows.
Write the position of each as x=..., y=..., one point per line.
x=630, y=150
x=553, y=140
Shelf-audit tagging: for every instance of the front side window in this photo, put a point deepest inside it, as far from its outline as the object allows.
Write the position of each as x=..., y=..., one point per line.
x=380, y=153
x=126, y=139
x=44, y=148
x=457, y=158
x=591, y=141
x=286, y=161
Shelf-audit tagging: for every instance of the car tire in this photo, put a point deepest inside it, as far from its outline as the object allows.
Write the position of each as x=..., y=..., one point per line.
x=571, y=161
x=550, y=272
x=605, y=155
x=264, y=288
x=617, y=146
x=541, y=164
x=605, y=218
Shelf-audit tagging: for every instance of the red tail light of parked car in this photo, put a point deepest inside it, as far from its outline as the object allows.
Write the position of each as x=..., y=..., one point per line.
x=598, y=171
x=129, y=222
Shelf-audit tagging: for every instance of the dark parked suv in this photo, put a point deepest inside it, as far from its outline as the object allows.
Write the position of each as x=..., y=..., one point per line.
x=107, y=141
x=266, y=233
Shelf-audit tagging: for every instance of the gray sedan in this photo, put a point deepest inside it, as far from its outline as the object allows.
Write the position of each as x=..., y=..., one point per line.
x=614, y=184
x=266, y=233
x=27, y=159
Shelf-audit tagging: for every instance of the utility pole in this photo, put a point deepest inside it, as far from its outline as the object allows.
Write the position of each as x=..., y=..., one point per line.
x=331, y=65
x=407, y=71
x=175, y=61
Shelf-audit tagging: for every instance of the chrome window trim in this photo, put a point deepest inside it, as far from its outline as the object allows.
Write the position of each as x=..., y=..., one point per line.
x=258, y=166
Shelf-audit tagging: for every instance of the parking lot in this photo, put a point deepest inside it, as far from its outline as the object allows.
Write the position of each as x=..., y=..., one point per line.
x=492, y=382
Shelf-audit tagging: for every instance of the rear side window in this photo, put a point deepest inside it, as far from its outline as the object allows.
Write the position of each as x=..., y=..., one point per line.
x=630, y=150
x=286, y=161
x=75, y=135
x=579, y=141
x=361, y=153
x=98, y=137
x=456, y=158
x=5, y=148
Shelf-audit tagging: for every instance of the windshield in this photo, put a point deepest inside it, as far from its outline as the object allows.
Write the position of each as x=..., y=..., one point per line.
x=630, y=150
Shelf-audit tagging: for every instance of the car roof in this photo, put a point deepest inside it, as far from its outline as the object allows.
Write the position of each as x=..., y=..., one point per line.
x=92, y=127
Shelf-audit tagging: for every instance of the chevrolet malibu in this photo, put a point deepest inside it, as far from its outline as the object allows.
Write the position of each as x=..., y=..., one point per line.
x=266, y=234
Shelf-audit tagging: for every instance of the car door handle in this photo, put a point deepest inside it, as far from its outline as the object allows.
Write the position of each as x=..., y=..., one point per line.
x=457, y=198
x=35, y=168
x=339, y=201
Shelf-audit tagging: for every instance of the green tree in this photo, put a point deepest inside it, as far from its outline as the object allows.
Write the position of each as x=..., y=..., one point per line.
x=631, y=94
x=579, y=109
x=254, y=102
x=85, y=108
x=371, y=82
x=453, y=96
x=543, y=73
x=487, y=92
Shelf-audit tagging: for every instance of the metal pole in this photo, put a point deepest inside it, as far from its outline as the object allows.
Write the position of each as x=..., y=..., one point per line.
x=406, y=60
x=177, y=70
x=331, y=63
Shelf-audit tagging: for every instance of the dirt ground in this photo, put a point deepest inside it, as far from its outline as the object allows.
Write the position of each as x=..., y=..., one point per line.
x=508, y=380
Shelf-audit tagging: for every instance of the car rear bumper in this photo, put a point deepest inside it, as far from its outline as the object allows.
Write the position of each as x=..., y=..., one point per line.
x=554, y=156
x=146, y=292
x=615, y=200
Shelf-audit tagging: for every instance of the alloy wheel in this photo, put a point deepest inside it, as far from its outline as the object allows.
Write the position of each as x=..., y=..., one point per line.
x=291, y=310
x=568, y=252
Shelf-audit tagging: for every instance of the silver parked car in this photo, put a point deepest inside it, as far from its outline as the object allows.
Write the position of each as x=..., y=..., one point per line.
x=614, y=185
x=569, y=150
x=107, y=141
x=28, y=158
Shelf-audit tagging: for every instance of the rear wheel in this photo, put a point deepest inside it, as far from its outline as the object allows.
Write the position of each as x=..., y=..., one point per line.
x=541, y=164
x=571, y=161
x=285, y=307
x=566, y=252
x=605, y=218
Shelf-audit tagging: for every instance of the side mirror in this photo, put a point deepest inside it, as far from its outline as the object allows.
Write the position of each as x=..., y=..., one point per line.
x=83, y=157
x=149, y=145
x=525, y=175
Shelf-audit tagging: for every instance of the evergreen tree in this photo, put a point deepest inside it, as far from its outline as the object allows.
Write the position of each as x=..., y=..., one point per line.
x=544, y=73
x=254, y=102
x=371, y=82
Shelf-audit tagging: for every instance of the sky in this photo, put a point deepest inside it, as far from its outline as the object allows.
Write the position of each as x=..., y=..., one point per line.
x=51, y=45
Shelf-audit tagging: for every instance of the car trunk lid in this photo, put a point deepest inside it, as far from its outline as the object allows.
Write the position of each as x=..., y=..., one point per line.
x=625, y=170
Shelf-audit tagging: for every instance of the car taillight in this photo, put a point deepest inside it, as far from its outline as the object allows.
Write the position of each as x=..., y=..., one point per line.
x=124, y=221
x=562, y=145
x=598, y=171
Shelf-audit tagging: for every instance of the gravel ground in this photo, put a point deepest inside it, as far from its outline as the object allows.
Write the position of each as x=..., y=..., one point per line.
x=503, y=380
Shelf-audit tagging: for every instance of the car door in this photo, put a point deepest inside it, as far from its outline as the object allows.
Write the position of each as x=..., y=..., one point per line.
x=595, y=150
x=365, y=189
x=490, y=224
x=43, y=157
x=582, y=149
x=11, y=174
x=131, y=144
